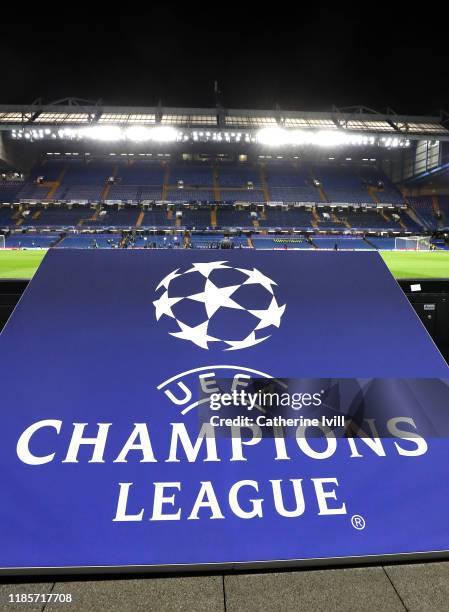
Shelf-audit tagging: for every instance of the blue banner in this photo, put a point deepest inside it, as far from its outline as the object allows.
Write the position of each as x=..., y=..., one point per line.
x=127, y=377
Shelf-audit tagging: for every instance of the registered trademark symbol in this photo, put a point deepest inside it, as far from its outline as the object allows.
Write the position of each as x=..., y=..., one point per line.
x=358, y=522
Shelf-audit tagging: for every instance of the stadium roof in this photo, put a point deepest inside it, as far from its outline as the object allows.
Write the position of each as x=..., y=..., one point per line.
x=77, y=113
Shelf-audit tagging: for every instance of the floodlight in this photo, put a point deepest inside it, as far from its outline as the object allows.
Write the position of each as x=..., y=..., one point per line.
x=106, y=133
x=138, y=133
x=272, y=136
x=164, y=134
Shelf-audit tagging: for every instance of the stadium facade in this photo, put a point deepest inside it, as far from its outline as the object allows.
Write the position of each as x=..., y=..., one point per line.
x=80, y=174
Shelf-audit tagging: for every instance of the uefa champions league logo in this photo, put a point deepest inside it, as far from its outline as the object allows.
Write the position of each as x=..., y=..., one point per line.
x=212, y=302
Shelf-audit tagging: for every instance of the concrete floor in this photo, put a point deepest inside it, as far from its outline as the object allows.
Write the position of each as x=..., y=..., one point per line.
x=416, y=587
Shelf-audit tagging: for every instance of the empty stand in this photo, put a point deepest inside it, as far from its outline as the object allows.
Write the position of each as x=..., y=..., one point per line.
x=444, y=208
x=230, y=217
x=440, y=244
x=109, y=217
x=31, y=241
x=369, y=219
x=89, y=241
x=57, y=216
x=190, y=195
x=382, y=243
x=239, y=176
x=136, y=181
x=342, y=243
x=196, y=218
x=387, y=193
x=290, y=184
x=342, y=184
x=206, y=241
x=157, y=241
x=192, y=175
x=6, y=216
x=244, y=195
x=408, y=223
x=10, y=190
x=293, y=218
x=83, y=180
x=156, y=218
x=274, y=241
x=423, y=207
x=150, y=194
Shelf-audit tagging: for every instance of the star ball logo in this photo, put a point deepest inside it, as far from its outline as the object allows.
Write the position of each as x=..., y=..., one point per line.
x=212, y=302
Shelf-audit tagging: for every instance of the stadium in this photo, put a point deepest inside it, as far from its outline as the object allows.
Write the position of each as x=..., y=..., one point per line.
x=77, y=176
x=90, y=177
x=298, y=239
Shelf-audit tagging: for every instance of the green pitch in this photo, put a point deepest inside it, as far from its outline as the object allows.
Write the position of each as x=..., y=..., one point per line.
x=417, y=264
x=20, y=264
x=409, y=264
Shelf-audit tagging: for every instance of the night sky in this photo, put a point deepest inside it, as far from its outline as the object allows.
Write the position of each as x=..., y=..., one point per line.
x=299, y=60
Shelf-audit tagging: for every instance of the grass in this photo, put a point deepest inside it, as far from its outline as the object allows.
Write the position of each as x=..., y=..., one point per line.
x=409, y=264
x=417, y=264
x=20, y=264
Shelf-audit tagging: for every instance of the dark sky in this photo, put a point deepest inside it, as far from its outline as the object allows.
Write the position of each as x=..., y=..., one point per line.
x=303, y=59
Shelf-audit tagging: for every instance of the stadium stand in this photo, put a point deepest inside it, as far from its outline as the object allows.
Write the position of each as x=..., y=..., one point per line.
x=150, y=193
x=444, y=208
x=192, y=175
x=42, y=181
x=116, y=194
x=206, y=241
x=196, y=218
x=217, y=241
x=290, y=184
x=239, y=241
x=342, y=184
x=279, y=241
x=56, y=216
x=146, y=239
x=88, y=241
x=440, y=244
x=139, y=180
x=33, y=191
x=409, y=223
x=109, y=217
x=156, y=218
x=31, y=241
x=346, y=243
x=424, y=210
x=48, y=170
x=83, y=180
x=244, y=195
x=190, y=195
x=157, y=241
x=6, y=216
x=368, y=219
x=384, y=191
x=230, y=217
x=294, y=218
x=239, y=176
x=382, y=243
x=9, y=191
